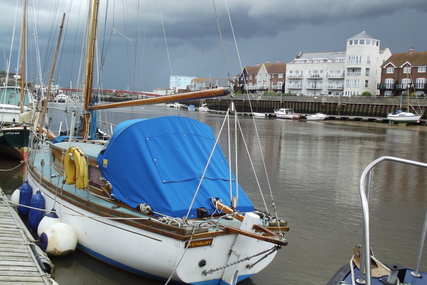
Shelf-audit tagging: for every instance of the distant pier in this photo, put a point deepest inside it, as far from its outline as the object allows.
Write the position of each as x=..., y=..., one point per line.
x=21, y=261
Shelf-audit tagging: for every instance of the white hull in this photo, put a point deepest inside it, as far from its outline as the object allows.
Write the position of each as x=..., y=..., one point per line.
x=284, y=113
x=259, y=115
x=404, y=117
x=316, y=117
x=147, y=252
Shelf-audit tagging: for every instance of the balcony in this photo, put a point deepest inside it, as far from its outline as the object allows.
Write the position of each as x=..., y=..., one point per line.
x=315, y=86
x=315, y=76
x=294, y=86
x=335, y=87
x=386, y=86
x=298, y=75
x=335, y=75
x=420, y=86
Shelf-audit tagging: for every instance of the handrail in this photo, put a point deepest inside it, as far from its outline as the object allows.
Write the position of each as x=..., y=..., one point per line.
x=364, y=189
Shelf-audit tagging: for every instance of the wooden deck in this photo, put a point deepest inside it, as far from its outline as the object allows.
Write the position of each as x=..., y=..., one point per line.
x=19, y=258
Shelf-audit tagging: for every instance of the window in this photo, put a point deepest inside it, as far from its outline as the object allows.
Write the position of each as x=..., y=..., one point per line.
x=407, y=69
x=390, y=70
x=421, y=69
x=366, y=83
x=280, y=75
x=420, y=83
x=368, y=60
x=406, y=83
x=367, y=71
x=362, y=42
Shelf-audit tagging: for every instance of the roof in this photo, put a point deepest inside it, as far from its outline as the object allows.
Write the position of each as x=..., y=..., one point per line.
x=399, y=59
x=362, y=35
x=252, y=69
x=330, y=55
x=275, y=67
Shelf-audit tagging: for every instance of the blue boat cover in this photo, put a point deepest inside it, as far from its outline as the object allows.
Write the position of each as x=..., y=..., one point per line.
x=160, y=162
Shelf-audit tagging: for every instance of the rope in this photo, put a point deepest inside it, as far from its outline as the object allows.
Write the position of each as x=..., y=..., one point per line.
x=13, y=168
x=182, y=256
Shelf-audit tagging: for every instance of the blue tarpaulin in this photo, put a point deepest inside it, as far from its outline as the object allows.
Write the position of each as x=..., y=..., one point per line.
x=160, y=162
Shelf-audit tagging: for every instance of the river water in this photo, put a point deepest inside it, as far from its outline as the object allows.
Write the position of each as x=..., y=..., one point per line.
x=314, y=170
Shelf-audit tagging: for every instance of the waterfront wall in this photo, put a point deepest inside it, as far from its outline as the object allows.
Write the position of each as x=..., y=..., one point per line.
x=346, y=106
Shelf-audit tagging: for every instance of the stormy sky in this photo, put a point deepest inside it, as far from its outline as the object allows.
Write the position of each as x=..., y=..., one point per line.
x=141, y=43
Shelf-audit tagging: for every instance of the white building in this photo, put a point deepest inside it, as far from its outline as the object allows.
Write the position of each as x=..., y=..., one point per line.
x=179, y=82
x=343, y=73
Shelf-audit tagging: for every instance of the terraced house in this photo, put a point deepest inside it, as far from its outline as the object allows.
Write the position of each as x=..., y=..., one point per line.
x=262, y=77
x=404, y=73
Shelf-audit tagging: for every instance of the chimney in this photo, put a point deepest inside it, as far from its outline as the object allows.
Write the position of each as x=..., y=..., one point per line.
x=411, y=50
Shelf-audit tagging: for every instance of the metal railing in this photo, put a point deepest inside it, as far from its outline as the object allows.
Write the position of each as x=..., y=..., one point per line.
x=364, y=191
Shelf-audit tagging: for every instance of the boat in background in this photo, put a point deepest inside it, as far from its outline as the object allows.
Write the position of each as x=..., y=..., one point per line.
x=404, y=117
x=286, y=113
x=363, y=260
x=316, y=117
x=16, y=109
x=259, y=115
x=203, y=108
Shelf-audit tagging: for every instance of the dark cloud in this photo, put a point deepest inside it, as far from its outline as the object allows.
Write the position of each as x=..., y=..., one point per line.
x=135, y=55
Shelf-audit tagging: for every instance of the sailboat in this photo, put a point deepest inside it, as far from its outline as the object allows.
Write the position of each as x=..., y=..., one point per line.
x=141, y=203
x=405, y=116
x=16, y=106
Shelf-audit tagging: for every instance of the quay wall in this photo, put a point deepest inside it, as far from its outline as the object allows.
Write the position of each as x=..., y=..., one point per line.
x=346, y=106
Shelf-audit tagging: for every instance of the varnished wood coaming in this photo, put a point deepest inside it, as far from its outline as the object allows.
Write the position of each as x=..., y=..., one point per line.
x=270, y=234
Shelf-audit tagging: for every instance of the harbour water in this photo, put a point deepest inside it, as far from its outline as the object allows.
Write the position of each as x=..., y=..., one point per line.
x=314, y=170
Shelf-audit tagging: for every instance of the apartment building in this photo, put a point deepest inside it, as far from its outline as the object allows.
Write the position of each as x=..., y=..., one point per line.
x=404, y=73
x=343, y=73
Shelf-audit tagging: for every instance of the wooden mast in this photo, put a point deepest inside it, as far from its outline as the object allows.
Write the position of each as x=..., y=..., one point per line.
x=23, y=47
x=43, y=114
x=87, y=90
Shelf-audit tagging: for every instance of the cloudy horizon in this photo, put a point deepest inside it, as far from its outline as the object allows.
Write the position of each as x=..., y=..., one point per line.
x=138, y=56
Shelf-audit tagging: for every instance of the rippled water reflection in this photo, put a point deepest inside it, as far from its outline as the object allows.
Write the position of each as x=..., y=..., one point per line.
x=314, y=170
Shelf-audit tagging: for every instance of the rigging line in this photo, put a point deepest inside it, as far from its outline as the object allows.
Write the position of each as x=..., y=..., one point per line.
x=135, y=55
x=252, y=165
x=11, y=47
x=229, y=158
x=222, y=41
x=235, y=149
x=182, y=256
x=166, y=41
x=227, y=115
x=37, y=50
x=250, y=104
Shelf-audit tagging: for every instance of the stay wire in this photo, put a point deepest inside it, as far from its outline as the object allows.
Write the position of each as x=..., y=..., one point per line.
x=250, y=106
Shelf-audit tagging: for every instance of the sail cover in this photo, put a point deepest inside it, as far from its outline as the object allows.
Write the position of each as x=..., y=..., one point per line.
x=160, y=162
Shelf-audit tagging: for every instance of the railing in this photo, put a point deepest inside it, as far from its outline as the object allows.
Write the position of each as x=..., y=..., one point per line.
x=314, y=86
x=335, y=75
x=364, y=191
x=335, y=87
x=294, y=86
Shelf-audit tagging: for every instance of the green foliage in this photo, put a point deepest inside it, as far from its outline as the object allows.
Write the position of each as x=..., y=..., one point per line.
x=366, y=93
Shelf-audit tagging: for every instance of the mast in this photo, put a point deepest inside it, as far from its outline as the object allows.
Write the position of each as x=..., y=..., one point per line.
x=87, y=90
x=23, y=42
x=51, y=74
